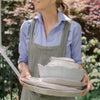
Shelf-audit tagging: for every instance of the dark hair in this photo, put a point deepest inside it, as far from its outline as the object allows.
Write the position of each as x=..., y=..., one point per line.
x=63, y=7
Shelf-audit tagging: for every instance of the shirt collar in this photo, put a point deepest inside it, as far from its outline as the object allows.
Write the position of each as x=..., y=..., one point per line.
x=61, y=17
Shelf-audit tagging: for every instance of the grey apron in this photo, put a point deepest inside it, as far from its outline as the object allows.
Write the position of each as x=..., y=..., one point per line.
x=41, y=54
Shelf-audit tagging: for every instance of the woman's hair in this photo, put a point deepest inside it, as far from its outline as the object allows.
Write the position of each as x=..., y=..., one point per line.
x=63, y=7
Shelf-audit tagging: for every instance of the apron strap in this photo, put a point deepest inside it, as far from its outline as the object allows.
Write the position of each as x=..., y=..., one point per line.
x=65, y=33
x=32, y=30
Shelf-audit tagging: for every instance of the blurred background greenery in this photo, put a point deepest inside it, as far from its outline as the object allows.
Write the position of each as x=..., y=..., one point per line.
x=85, y=12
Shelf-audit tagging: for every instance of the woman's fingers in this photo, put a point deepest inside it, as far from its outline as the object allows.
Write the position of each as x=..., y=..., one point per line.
x=87, y=89
x=87, y=82
x=23, y=75
x=28, y=74
x=21, y=82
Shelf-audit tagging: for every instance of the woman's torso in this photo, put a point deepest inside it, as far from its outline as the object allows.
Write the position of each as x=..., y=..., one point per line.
x=54, y=36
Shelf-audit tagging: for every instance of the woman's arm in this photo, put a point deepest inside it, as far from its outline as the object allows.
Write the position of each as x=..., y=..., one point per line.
x=76, y=53
x=76, y=42
x=85, y=80
x=23, y=43
x=22, y=61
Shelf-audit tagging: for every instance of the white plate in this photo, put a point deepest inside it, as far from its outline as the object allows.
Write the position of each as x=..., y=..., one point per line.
x=40, y=83
x=62, y=58
x=64, y=82
x=52, y=92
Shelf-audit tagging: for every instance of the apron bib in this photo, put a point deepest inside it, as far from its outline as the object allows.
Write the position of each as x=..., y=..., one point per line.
x=41, y=54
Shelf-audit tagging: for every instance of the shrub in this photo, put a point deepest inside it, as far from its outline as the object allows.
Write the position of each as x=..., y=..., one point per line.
x=86, y=12
x=91, y=63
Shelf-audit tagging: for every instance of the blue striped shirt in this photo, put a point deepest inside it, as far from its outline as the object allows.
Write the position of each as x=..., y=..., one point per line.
x=54, y=37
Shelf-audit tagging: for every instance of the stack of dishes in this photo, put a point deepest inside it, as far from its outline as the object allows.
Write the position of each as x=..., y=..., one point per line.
x=60, y=77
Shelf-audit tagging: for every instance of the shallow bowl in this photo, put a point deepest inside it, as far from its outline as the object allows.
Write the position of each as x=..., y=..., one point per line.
x=62, y=61
x=61, y=72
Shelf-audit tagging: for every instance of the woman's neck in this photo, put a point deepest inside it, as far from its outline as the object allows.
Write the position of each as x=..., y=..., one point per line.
x=50, y=16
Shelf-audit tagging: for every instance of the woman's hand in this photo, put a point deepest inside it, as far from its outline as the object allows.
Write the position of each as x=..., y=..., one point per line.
x=24, y=70
x=86, y=81
x=88, y=84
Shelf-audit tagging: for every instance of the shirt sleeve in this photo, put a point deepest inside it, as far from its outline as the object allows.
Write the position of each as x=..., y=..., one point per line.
x=22, y=44
x=76, y=44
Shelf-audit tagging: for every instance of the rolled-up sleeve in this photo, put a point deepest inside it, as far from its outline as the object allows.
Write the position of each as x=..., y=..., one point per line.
x=76, y=44
x=22, y=44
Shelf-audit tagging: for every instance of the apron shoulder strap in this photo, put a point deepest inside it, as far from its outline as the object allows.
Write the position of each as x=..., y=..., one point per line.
x=65, y=32
x=32, y=29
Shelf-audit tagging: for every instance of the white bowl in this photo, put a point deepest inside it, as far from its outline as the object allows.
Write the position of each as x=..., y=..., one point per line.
x=63, y=61
x=62, y=58
x=60, y=72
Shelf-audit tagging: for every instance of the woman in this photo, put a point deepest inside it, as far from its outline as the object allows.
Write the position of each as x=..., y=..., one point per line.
x=51, y=33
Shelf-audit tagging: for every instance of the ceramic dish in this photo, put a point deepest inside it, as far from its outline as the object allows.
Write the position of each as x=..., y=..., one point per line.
x=40, y=83
x=62, y=61
x=64, y=82
x=62, y=58
x=61, y=72
x=53, y=92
